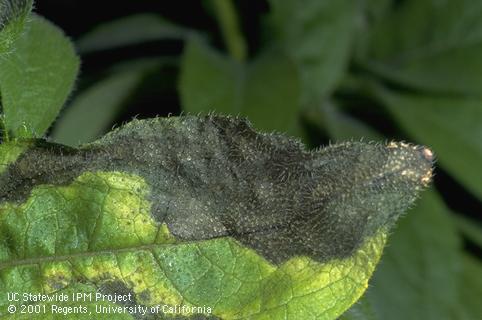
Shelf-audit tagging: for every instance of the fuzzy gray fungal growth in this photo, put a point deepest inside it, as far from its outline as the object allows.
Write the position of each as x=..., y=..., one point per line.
x=215, y=177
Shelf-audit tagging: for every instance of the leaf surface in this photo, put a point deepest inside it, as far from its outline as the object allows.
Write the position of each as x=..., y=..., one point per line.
x=13, y=15
x=36, y=81
x=98, y=231
x=111, y=217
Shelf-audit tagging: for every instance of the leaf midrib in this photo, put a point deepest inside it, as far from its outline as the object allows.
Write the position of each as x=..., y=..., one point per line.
x=66, y=257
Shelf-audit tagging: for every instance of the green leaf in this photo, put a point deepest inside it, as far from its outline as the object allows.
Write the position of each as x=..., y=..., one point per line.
x=37, y=79
x=92, y=111
x=451, y=126
x=470, y=228
x=418, y=277
x=142, y=215
x=471, y=283
x=9, y=153
x=13, y=14
x=128, y=31
x=317, y=35
x=430, y=45
x=265, y=90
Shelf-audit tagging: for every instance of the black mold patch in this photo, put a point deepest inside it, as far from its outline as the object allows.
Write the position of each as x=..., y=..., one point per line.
x=215, y=176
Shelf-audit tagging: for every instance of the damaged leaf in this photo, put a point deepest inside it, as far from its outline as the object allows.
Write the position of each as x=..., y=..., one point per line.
x=205, y=213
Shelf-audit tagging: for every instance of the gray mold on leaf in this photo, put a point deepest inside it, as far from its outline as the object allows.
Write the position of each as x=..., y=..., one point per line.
x=215, y=177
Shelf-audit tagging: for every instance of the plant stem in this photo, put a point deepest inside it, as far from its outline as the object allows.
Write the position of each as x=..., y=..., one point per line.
x=229, y=24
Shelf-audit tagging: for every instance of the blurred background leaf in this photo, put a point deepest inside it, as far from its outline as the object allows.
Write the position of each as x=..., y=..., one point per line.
x=104, y=99
x=429, y=45
x=317, y=35
x=130, y=30
x=471, y=282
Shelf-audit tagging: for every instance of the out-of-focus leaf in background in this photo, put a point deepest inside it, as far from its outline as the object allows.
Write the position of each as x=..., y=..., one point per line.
x=127, y=31
x=92, y=111
x=471, y=282
x=429, y=45
x=265, y=90
x=317, y=35
x=103, y=99
x=36, y=81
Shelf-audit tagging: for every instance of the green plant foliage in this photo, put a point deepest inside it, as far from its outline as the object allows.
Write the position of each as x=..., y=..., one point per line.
x=105, y=98
x=13, y=15
x=84, y=219
x=37, y=79
x=422, y=261
x=127, y=31
x=317, y=35
x=429, y=45
x=83, y=234
x=469, y=307
x=9, y=153
x=266, y=90
x=89, y=220
x=427, y=278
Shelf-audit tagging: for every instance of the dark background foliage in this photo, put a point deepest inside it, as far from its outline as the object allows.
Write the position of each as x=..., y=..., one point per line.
x=324, y=71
